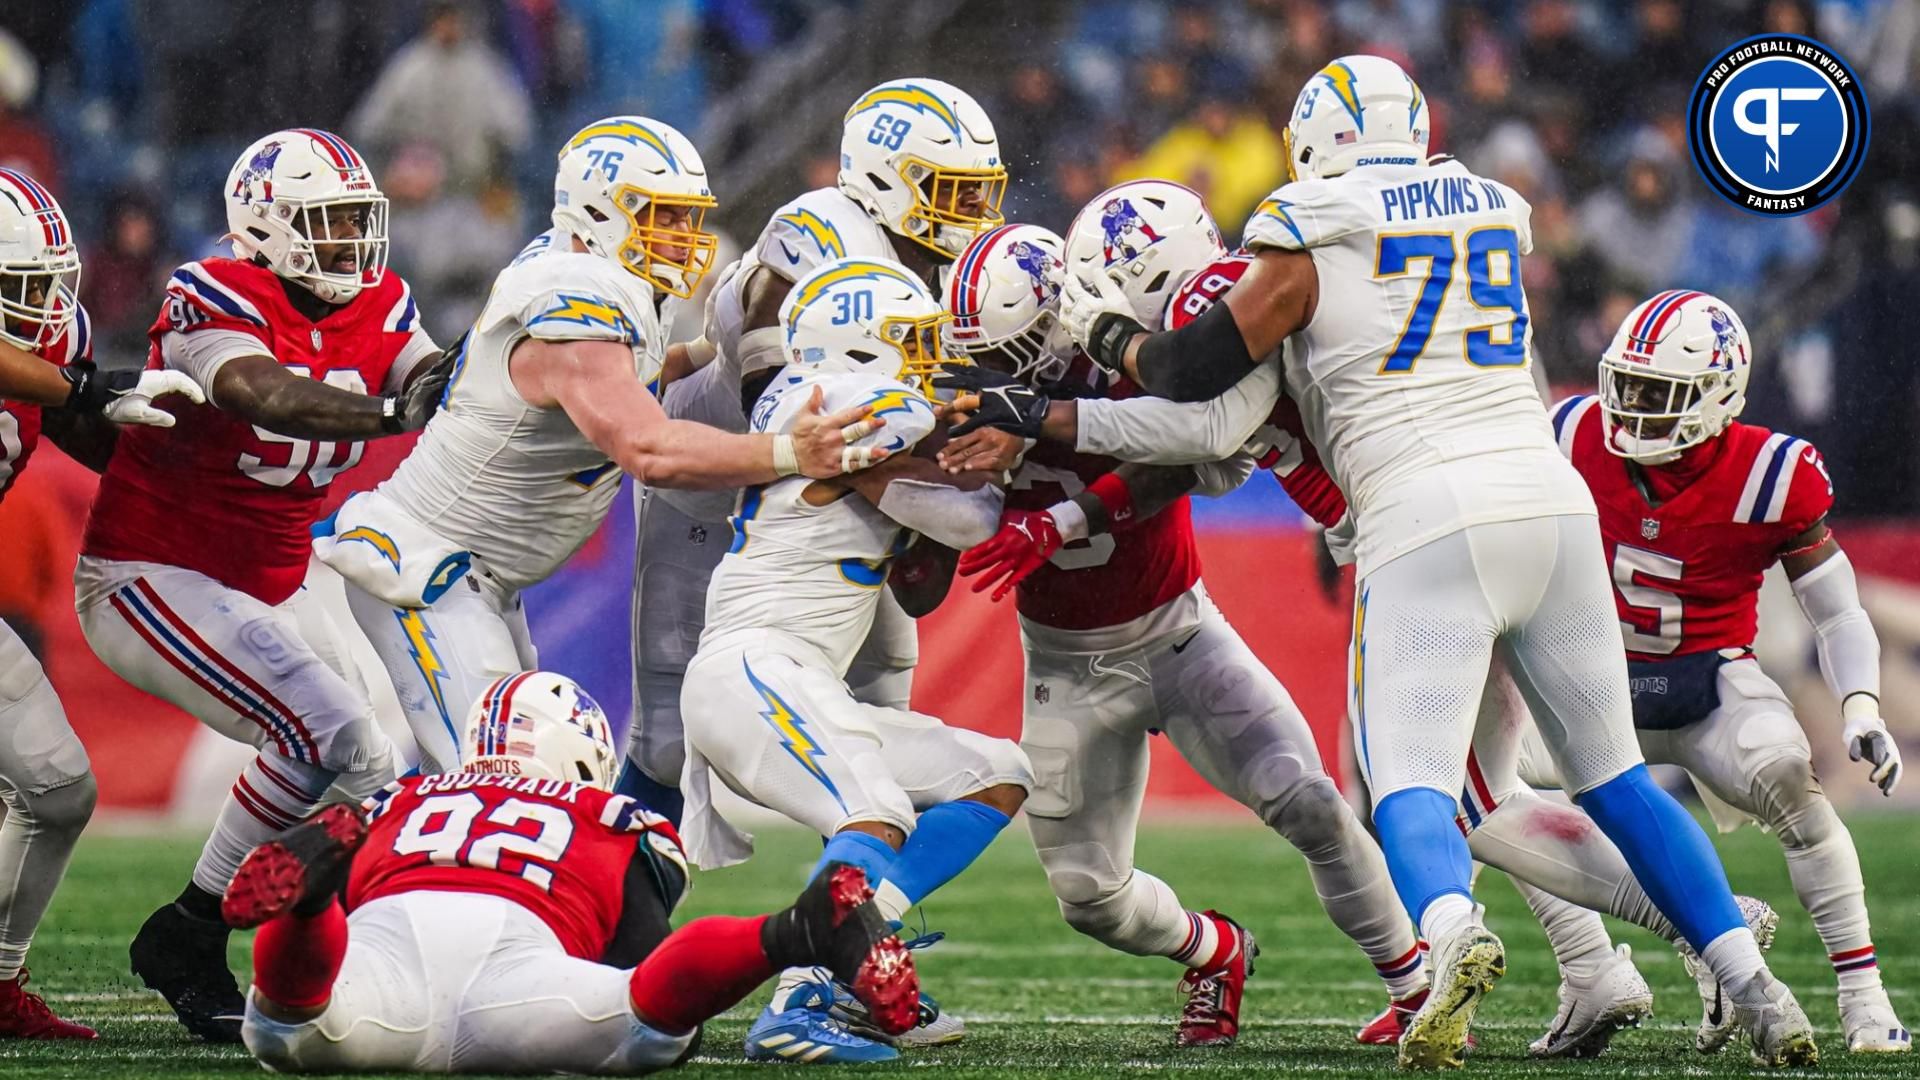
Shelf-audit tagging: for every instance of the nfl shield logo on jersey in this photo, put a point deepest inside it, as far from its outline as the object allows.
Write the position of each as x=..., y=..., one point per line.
x=316, y=338
x=1649, y=529
x=1041, y=693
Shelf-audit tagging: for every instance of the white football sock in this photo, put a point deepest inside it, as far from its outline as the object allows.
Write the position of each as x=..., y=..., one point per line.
x=1734, y=959
x=1444, y=915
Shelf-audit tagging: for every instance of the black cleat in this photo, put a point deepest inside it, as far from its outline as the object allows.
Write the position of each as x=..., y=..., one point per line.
x=300, y=870
x=185, y=959
x=847, y=935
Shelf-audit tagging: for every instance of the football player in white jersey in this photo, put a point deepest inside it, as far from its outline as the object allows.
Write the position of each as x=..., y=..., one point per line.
x=551, y=400
x=767, y=706
x=1433, y=427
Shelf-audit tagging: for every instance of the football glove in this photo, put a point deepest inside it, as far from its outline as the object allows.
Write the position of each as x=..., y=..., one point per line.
x=1099, y=317
x=1868, y=740
x=1005, y=402
x=126, y=397
x=1026, y=540
x=411, y=408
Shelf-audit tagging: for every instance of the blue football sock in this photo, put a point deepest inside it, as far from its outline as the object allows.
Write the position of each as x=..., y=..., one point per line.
x=1426, y=855
x=946, y=841
x=1669, y=854
x=650, y=793
x=864, y=850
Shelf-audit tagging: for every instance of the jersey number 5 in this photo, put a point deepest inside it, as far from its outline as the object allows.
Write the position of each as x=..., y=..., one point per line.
x=1492, y=258
x=1648, y=605
x=442, y=826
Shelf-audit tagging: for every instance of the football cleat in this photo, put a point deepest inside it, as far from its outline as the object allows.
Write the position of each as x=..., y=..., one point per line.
x=1385, y=1029
x=1466, y=965
x=300, y=868
x=185, y=959
x=934, y=1028
x=1870, y=1024
x=854, y=941
x=1212, y=1013
x=1779, y=1028
x=1717, y=1022
x=1592, y=1010
x=25, y=1015
x=804, y=1031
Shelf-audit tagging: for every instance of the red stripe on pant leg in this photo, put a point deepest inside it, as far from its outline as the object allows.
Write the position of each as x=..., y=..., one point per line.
x=273, y=809
x=194, y=676
x=233, y=670
x=249, y=803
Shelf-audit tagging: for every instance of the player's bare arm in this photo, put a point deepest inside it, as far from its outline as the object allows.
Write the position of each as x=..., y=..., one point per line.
x=1202, y=360
x=269, y=395
x=1848, y=649
x=594, y=382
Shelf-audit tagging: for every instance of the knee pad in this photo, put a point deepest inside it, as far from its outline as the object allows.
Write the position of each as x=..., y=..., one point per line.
x=1791, y=802
x=20, y=673
x=1083, y=873
x=1133, y=919
x=66, y=808
x=1311, y=814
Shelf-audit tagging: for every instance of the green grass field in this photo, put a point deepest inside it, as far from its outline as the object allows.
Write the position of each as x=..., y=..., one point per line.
x=1042, y=1001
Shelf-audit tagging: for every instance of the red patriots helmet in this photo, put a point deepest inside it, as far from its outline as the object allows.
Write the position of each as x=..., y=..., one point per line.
x=39, y=263
x=537, y=723
x=304, y=202
x=1674, y=377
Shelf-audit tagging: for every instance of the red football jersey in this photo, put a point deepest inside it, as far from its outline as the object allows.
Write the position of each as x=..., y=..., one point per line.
x=561, y=850
x=1686, y=573
x=1104, y=580
x=213, y=493
x=20, y=420
x=1287, y=454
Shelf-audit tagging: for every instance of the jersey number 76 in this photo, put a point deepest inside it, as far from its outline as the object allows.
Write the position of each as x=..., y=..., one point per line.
x=1492, y=259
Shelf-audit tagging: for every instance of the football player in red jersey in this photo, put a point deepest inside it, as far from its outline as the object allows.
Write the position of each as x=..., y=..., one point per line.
x=1103, y=558
x=1694, y=507
x=494, y=917
x=189, y=581
x=47, y=376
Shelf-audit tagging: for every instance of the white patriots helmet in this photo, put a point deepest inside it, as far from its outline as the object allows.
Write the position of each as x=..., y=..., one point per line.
x=539, y=724
x=289, y=192
x=1358, y=110
x=1674, y=377
x=39, y=263
x=1148, y=235
x=869, y=316
x=635, y=191
x=1004, y=295
x=911, y=151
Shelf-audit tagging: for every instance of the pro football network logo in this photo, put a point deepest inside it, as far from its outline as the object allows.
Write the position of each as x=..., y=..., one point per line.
x=1778, y=124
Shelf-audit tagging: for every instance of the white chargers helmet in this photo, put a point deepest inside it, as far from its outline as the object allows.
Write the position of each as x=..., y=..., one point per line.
x=304, y=202
x=39, y=264
x=539, y=724
x=1358, y=110
x=921, y=158
x=1004, y=295
x=1674, y=377
x=635, y=191
x=1148, y=235
x=864, y=315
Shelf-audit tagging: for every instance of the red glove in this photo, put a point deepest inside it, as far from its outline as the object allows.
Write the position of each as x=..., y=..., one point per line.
x=1027, y=539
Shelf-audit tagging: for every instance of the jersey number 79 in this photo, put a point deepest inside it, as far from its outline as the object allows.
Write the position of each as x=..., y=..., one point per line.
x=1492, y=258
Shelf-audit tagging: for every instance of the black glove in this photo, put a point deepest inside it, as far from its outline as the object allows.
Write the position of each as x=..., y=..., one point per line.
x=1005, y=402
x=93, y=389
x=410, y=409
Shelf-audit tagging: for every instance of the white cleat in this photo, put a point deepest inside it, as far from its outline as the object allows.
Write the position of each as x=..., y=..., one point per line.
x=1717, y=1023
x=1779, y=1029
x=1465, y=964
x=1870, y=1024
x=1591, y=1012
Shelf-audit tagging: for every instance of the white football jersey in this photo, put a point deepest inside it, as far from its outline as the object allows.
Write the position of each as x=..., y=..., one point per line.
x=1412, y=375
x=519, y=486
x=816, y=572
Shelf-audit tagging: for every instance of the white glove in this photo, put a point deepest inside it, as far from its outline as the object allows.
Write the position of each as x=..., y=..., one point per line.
x=1867, y=740
x=135, y=404
x=1084, y=300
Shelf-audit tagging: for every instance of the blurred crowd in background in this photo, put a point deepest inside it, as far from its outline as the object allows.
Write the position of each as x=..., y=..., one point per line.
x=133, y=111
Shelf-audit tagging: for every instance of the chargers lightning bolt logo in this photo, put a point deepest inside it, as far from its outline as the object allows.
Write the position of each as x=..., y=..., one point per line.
x=432, y=671
x=1340, y=77
x=1277, y=209
x=375, y=539
x=589, y=311
x=817, y=229
x=908, y=95
x=628, y=131
x=793, y=733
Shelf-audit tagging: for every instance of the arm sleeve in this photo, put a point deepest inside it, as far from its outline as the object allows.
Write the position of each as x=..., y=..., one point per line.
x=957, y=519
x=1848, y=648
x=644, y=906
x=1217, y=478
x=1160, y=432
x=203, y=353
x=420, y=346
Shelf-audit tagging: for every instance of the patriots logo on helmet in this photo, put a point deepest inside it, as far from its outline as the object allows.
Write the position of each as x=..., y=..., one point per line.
x=1038, y=264
x=582, y=707
x=1127, y=233
x=259, y=170
x=1726, y=341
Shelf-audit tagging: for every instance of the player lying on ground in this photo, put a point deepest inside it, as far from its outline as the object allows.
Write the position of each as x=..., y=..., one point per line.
x=494, y=917
x=1121, y=639
x=48, y=384
x=920, y=175
x=189, y=584
x=1694, y=507
x=900, y=794
x=551, y=402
